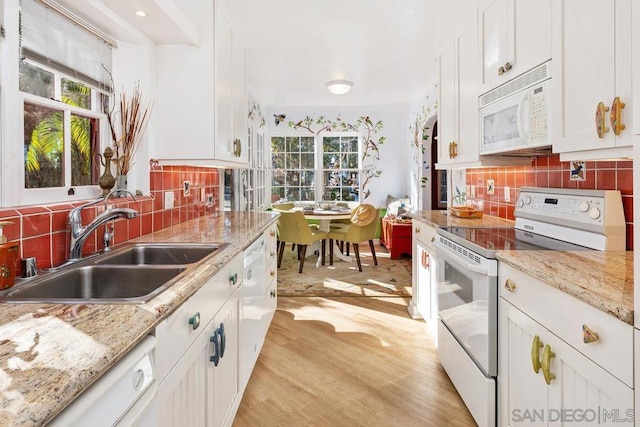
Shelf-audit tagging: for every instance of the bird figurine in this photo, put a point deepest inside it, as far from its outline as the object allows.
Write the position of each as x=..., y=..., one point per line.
x=279, y=118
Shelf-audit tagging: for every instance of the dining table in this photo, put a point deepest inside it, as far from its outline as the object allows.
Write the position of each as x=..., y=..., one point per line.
x=324, y=218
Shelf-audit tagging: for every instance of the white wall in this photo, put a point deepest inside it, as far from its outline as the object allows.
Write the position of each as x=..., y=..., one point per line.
x=136, y=64
x=394, y=153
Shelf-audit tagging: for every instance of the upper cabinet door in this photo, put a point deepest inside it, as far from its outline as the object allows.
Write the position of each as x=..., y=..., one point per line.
x=447, y=105
x=592, y=78
x=515, y=37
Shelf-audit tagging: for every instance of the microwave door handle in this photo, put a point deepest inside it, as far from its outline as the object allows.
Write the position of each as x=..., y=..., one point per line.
x=524, y=137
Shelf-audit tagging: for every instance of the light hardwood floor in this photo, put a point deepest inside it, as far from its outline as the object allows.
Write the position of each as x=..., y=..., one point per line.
x=351, y=361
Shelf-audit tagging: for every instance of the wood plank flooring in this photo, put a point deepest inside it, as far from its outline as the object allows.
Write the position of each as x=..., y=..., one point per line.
x=350, y=361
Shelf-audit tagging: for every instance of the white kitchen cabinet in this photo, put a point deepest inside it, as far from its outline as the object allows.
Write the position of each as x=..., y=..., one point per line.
x=458, y=100
x=192, y=390
x=423, y=278
x=199, y=111
x=223, y=375
x=458, y=130
x=591, y=75
x=541, y=328
x=231, y=101
x=515, y=36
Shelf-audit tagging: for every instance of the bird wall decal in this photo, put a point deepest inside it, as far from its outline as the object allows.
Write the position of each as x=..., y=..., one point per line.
x=279, y=118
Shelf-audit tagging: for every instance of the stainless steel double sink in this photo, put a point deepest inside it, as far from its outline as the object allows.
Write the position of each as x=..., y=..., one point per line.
x=132, y=274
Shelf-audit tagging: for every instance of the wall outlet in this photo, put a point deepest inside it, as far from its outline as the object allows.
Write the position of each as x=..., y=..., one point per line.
x=209, y=200
x=491, y=189
x=202, y=194
x=507, y=194
x=168, y=200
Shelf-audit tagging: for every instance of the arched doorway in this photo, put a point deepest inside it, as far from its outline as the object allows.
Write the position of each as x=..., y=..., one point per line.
x=438, y=177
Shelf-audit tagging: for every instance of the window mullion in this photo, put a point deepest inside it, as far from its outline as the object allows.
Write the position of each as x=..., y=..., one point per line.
x=67, y=148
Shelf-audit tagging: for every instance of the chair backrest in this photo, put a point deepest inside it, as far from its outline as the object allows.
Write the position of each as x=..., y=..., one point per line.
x=362, y=233
x=287, y=206
x=294, y=228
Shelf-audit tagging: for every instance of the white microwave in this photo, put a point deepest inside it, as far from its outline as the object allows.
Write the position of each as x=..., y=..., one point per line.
x=515, y=116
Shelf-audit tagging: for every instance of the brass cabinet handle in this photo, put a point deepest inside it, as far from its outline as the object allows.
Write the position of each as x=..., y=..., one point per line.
x=417, y=230
x=500, y=71
x=547, y=355
x=509, y=285
x=601, y=126
x=272, y=273
x=614, y=115
x=272, y=293
x=237, y=147
x=272, y=233
x=453, y=150
x=433, y=239
x=507, y=66
x=588, y=336
x=536, y=345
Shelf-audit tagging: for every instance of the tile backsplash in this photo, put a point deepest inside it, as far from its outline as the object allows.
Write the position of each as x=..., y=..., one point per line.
x=551, y=172
x=42, y=230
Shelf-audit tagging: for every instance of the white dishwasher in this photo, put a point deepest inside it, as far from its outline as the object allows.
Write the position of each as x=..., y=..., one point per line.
x=123, y=396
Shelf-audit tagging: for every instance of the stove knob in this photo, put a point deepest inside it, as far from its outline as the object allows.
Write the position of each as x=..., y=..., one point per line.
x=594, y=213
x=584, y=206
x=527, y=200
x=520, y=203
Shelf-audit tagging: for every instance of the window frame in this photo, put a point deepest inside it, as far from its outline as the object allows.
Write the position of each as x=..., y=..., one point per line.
x=319, y=170
x=12, y=100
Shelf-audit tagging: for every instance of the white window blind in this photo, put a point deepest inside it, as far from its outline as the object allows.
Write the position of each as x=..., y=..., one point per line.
x=1, y=18
x=53, y=39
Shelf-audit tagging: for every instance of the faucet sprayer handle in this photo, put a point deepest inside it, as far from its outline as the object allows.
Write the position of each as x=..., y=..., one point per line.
x=74, y=214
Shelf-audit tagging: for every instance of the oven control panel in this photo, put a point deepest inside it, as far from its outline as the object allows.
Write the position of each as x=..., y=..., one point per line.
x=593, y=211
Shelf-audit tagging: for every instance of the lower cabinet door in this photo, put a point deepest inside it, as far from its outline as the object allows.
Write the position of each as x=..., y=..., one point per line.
x=182, y=396
x=224, y=381
x=567, y=387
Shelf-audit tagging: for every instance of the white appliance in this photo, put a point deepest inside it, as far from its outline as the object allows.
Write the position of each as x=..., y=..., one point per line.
x=123, y=396
x=254, y=309
x=514, y=117
x=546, y=219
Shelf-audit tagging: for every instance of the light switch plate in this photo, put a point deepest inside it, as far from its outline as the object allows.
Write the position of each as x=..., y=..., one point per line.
x=168, y=200
x=491, y=189
x=507, y=194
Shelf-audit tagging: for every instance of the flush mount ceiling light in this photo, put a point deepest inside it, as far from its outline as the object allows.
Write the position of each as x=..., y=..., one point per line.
x=339, y=87
x=141, y=13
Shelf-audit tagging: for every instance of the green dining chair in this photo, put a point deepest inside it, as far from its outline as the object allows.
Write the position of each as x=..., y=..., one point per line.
x=364, y=222
x=293, y=228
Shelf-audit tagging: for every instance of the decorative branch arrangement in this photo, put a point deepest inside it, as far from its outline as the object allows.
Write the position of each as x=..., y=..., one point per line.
x=364, y=126
x=132, y=124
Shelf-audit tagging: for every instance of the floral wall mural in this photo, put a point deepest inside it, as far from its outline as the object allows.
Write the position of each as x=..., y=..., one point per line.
x=365, y=128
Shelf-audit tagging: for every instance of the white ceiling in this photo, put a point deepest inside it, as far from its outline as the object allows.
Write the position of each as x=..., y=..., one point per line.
x=387, y=48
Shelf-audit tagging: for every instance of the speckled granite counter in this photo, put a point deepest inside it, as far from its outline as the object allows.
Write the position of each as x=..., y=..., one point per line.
x=444, y=219
x=601, y=279
x=50, y=353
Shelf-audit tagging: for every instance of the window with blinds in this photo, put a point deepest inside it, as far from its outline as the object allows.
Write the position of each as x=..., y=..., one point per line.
x=65, y=82
x=54, y=37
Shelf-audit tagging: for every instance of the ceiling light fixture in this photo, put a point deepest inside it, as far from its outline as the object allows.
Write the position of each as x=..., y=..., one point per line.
x=339, y=87
x=141, y=13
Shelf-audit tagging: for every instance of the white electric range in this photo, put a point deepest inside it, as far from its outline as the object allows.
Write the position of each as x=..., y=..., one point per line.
x=546, y=219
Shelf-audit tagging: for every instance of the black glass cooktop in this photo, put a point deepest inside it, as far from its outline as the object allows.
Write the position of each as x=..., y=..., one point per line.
x=489, y=240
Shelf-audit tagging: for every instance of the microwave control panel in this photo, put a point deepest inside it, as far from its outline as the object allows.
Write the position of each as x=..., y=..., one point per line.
x=538, y=108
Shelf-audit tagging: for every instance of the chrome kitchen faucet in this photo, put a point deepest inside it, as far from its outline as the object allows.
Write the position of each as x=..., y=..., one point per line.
x=79, y=233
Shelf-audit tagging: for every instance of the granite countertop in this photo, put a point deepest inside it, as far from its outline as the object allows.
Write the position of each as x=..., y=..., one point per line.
x=50, y=353
x=443, y=218
x=603, y=280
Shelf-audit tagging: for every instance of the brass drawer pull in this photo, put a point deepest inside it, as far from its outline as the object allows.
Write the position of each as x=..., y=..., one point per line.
x=547, y=355
x=536, y=345
x=614, y=115
x=601, y=124
x=588, y=336
x=509, y=285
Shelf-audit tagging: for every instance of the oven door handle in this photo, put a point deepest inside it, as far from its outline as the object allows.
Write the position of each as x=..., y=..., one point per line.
x=465, y=264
